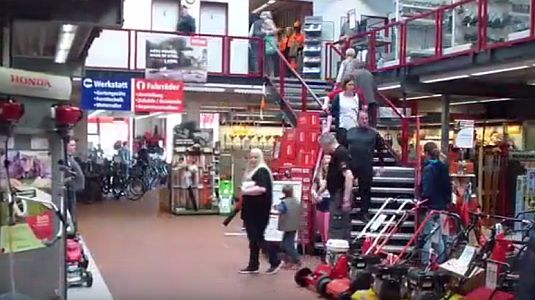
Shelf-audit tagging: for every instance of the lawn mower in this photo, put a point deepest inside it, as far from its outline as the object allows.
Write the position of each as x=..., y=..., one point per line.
x=77, y=263
x=337, y=267
x=367, y=248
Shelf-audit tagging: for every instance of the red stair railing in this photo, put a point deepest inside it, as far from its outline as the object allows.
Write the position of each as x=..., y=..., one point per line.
x=392, y=38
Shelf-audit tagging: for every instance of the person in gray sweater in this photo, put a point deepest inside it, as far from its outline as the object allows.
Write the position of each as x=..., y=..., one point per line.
x=290, y=214
x=76, y=184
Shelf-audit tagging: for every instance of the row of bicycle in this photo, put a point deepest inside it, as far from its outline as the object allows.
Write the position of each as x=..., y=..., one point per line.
x=130, y=180
x=452, y=255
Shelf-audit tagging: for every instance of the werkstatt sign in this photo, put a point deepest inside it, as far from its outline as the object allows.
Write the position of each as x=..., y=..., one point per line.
x=107, y=94
x=34, y=84
x=158, y=96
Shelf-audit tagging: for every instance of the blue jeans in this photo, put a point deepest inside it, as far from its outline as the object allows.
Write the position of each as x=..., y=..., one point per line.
x=288, y=245
x=437, y=241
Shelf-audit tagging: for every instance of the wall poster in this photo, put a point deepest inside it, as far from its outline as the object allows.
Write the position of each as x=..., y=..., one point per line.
x=178, y=58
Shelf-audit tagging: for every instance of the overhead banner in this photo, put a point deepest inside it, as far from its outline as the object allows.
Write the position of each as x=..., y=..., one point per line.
x=158, y=96
x=107, y=94
x=178, y=58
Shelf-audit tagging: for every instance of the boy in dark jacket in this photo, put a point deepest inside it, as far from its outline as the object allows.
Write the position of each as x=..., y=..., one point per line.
x=436, y=189
x=289, y=223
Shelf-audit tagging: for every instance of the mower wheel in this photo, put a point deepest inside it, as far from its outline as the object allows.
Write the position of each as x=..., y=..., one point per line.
x=84, y=263
x=344, y=296
x=301, y=275
x=321, y=285
x=88, y=279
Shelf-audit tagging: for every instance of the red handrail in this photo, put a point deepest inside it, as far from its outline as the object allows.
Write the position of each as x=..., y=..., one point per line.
x=482, y=43
x=131, y=50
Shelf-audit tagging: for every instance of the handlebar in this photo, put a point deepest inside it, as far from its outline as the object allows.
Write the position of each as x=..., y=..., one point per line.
x=57, y=212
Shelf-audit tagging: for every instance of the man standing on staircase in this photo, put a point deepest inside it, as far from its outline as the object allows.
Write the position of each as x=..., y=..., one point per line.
x=365, y=81
x=339, y=185
x=363, y=141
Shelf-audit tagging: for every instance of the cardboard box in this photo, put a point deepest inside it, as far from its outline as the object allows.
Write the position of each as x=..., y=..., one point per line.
x=309, y=119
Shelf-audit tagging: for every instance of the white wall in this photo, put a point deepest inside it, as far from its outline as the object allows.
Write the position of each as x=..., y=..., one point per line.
x=111, y=48
x=137, y=14
x=332, y=10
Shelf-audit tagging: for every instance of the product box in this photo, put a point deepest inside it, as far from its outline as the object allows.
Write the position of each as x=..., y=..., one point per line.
x=309, y=119
x=308, y=137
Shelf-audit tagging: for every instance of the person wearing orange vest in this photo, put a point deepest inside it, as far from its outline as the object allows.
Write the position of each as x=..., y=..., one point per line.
x=296, y=42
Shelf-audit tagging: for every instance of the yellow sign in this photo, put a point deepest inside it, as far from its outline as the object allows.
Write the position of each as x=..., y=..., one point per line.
x=18, y=238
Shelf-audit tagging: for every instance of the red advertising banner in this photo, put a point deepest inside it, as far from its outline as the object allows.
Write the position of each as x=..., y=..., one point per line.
x=42, y=225
x=158, y=96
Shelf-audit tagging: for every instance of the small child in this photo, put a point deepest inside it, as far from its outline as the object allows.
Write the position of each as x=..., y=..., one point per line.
x=289, y=223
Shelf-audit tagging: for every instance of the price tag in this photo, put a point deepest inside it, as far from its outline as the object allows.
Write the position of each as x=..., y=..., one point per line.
x=466, y=256
x=491, y=280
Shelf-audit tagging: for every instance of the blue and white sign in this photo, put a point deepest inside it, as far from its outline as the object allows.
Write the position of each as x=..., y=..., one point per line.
x=106, y=94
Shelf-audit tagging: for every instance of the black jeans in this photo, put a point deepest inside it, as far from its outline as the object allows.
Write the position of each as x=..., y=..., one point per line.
x=255, y=234
x=341, y=136
x=365, y=179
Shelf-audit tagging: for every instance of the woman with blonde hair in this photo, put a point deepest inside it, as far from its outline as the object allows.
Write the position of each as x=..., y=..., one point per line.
x=257, y=196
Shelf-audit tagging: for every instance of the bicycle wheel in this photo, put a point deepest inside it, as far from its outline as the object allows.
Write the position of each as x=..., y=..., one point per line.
x=136, y=189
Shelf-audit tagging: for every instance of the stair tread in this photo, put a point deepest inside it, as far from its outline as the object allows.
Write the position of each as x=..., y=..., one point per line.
x=395, y=236
x=376, y=189
x=387, y=248
x=393, y=179
x=405, y=224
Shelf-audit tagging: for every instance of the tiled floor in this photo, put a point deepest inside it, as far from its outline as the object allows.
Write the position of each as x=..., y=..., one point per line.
x=145, y=255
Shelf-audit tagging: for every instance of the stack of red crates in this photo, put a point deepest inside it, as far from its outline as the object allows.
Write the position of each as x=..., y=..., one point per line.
x=295, y=156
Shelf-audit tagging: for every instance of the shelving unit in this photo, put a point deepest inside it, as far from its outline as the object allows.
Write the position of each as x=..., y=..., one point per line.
x=313, y=47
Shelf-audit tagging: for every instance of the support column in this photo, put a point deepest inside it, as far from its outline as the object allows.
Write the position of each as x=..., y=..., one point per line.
x=445, y=127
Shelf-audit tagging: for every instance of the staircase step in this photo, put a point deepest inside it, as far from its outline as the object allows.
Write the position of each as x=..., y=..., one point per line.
x=405, y=224
x=395, y=236
x=381, y=200
x=393, y=190
x=382, y=179
x=386, y=248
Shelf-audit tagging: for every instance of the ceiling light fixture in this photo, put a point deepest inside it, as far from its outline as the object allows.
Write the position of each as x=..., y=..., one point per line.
x=500, y=70
x=424, y=97
x=389, y=87
x=480, y=101
x=66, y=38
x=439, y=79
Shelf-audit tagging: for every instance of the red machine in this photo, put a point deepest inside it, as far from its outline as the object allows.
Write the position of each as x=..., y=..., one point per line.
x=66, y=117
x=337, y=267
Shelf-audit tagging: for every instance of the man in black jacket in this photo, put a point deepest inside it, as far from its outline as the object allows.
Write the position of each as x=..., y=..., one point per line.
x=526, y=284
x=363, y=141
x=187, y=22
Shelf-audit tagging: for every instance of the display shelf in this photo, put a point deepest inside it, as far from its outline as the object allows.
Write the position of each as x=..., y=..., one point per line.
x=313, y=47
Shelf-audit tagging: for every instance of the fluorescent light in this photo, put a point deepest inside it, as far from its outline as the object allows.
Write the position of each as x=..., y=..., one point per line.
x=500, y=70
x=389, y=87
x=67, y=34
x=271, y=1
x=424, y=97
x=95, y=113
x=203, y=89
x=250, y=92
x=445, y=78
x=480, y=101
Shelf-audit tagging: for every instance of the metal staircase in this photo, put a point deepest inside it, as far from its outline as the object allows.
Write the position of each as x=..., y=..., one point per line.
x=395, y=181
x=293, y=92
